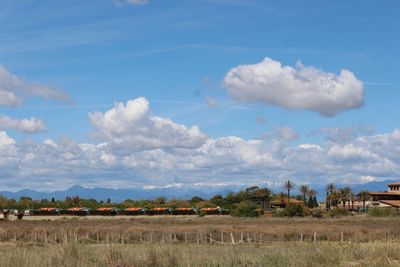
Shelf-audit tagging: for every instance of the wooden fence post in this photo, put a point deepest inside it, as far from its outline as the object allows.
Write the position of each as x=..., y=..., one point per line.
x=315, y=237
x=233, y=239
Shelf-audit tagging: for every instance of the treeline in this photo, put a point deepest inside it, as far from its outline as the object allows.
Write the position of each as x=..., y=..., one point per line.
x=252, y=201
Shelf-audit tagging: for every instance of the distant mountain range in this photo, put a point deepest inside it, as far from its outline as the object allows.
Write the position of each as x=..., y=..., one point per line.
x=181, y=192
x=119, y=195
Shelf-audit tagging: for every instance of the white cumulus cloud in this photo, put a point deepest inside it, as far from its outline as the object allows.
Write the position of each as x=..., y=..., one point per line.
x=31, y=125
x=300, y=87
x=5, y=140
x=137, y=148
x=131, y=126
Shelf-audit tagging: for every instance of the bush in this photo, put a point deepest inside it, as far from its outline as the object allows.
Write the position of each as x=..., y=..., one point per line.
x=339, y=212
x=295, y=210
x=292, y=210
x=202, y=213
x=317, y=213
x=382, y=212
x=247, y=209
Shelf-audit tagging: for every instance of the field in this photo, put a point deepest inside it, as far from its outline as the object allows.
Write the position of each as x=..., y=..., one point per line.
x=171, y=255
x=200, y=241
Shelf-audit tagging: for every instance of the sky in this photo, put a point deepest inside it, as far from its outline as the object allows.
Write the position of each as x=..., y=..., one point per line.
x=159, y=93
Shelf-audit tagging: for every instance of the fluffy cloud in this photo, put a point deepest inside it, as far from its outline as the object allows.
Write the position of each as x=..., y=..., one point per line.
x=305, y=88
x=131, y=2
x=14, y=89
x=131, y=126
x=5, y=140
x=136, y=148
x=31, y=125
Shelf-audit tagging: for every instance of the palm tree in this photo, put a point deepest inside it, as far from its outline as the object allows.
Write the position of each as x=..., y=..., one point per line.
x=304, y=189
x=288, y=185
x=349, y=195
x=364, y=196
x=312, y=193
x=330, y=189
x=353, y=199
x=345, y=193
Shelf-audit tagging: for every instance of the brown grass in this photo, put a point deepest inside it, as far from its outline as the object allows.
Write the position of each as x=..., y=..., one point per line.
x=164, y=228
x=146, y=255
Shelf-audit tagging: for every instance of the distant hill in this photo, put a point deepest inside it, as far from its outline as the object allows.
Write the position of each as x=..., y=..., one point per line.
x=119, y=195
x=181, y=192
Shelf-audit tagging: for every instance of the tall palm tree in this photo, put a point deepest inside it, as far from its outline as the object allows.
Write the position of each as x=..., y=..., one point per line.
x=304, y=189
x=353, y=199
x=349, y=195
x=345, y=193
x=312, y=193
x=343, y=196
x=364, y=196
x=330, y=189
x=288, y=186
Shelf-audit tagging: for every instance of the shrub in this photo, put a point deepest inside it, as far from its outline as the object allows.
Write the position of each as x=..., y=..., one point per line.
x=339, y=212
x=295, y=210
x=247, y=209
x=292, y=210
x=382, y=212
x=317, y=213
x=202, y=213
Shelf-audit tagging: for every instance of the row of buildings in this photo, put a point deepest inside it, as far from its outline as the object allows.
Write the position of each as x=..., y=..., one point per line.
x=112, y=211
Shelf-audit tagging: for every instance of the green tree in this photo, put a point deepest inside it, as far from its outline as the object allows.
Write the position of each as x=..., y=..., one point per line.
x=364, y=196
x=330, y=189
x=288, y=186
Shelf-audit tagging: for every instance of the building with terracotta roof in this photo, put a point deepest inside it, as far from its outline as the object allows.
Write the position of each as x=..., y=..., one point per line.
x=161, y=211
x=110, y=211
x=135, y=211
x=48, y=211
x=185, y=211
x=79, y=211
x=390, y=198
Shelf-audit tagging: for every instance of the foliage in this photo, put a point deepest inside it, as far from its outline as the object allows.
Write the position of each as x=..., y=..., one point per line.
x=339, y=212
x=383, y=212
x=247, y=209
x=317, y=213
x=292, y=210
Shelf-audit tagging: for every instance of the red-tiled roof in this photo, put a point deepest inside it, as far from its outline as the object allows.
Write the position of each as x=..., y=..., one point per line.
x=184, y=209
x=48, y=209
x=133, y=209
x=106, y=209
x=160, y=209
x=394, y=203
x=210, y=209
x=77, y=209
x=394, y=183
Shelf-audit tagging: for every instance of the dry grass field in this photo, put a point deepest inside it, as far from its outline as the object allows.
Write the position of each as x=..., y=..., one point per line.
x=199, y=241
x=196, y=229
x=156, y=255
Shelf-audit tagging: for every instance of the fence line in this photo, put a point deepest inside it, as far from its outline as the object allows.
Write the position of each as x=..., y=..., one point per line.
x=210, y=237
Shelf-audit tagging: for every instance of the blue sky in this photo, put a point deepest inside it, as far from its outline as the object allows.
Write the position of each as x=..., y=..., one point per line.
x=64, y=60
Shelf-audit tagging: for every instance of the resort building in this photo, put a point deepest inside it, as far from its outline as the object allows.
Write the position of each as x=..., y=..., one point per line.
x=391, y=198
